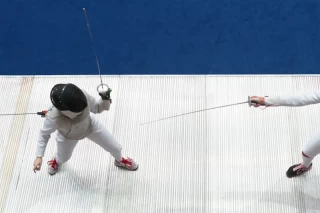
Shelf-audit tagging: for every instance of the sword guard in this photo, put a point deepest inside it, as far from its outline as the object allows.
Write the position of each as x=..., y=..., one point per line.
x=102, y=86
x=43, y=113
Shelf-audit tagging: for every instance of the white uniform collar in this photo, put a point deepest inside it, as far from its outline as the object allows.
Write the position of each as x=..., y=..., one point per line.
x=70, y=114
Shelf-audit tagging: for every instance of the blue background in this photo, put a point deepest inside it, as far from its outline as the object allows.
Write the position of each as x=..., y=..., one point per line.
x=160, y=37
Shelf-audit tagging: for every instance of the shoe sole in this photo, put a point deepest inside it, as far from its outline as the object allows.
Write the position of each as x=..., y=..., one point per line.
x=125, y=168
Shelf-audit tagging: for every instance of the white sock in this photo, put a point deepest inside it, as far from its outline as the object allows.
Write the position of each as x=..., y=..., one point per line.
x=306, y=160
x=117, y=156
x=311, y=150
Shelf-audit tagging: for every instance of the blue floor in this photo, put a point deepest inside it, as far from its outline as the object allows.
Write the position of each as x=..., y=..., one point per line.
x=160, y=37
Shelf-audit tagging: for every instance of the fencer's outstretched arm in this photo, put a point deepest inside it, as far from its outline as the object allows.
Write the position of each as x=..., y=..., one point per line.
x=45, y=133
x=306, y=98
x=303, y=99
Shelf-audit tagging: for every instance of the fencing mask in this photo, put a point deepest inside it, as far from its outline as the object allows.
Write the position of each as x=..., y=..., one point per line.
x=68, y=97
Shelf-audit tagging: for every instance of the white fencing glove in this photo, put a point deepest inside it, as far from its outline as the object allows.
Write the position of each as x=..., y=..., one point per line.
x=104, y=92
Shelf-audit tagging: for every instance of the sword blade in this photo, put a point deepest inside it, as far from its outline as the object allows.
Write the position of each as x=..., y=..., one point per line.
x=245, y=102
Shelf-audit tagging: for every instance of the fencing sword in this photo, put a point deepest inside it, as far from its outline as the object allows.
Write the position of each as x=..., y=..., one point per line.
x=217, y=107
x=94, y=50
x=42, y=113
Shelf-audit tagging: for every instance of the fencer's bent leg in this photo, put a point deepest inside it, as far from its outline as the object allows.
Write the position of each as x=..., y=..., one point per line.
x=103, y=138
x=64, y=149
x=63, y=154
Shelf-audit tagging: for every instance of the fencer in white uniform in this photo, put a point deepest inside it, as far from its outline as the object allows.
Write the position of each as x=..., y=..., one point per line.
x=312, y=148
x=72, y=116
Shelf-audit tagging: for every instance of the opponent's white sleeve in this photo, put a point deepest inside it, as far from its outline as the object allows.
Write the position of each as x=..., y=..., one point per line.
x=97, y=105
x=45, y=133
x=306, y=98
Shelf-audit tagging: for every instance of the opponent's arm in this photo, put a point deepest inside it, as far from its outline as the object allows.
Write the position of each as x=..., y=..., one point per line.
x=306, y=98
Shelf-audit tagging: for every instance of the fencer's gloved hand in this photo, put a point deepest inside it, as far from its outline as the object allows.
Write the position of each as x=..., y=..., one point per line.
x=256, y=101
x=37, y=164
x=104, y=92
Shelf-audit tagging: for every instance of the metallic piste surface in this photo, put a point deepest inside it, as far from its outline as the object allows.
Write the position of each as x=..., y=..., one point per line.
x=230, y=159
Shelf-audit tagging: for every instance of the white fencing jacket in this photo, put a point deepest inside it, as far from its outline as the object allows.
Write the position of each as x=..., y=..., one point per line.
x=306, y=98
x=72, y=129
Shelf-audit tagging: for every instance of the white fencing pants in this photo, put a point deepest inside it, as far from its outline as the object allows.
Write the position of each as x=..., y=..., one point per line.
x=99, y=135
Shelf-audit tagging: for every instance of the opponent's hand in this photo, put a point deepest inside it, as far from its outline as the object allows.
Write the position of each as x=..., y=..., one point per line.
x=37, y=164
x=256, y=101
x=104, y=92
